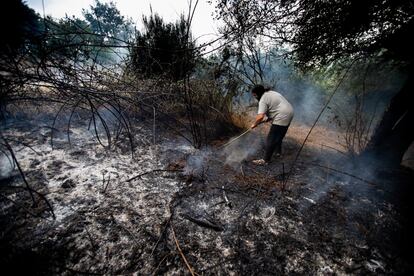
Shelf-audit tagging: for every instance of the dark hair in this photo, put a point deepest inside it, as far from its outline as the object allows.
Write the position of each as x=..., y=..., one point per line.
x=259, y=90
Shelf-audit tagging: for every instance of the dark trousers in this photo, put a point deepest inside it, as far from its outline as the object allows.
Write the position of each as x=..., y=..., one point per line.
x=274, y=141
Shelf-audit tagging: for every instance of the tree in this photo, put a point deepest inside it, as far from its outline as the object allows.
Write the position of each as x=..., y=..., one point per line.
x=321, y=32
x=106, y=21
x=17, y=30
x=163, y=49
x=109, y=28
x=18, y=34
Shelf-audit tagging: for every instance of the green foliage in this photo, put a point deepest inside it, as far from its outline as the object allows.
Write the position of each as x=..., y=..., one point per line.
x=20, y=29
x=66, y=39
x=108, y=24
x=102, y=37
x=109, y=30
x=163, y=49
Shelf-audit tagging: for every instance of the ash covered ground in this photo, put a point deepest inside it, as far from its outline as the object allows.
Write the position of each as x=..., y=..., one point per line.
x=170, y=209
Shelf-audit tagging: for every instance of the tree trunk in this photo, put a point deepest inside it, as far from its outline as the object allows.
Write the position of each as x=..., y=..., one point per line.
x=395, y=132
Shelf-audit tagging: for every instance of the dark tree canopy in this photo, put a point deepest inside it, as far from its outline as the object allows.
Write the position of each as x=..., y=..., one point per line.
x=163, y=49
x=320, y=31
x=17, y=30
x=329, y=30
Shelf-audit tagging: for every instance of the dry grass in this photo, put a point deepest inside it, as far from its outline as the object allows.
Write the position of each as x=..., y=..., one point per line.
x=241, y=120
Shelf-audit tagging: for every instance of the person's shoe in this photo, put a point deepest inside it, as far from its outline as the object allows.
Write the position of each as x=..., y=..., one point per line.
x=278, y=155
x=259, y=162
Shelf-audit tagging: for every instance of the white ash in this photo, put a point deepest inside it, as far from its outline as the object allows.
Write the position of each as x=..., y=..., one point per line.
x=110, y=223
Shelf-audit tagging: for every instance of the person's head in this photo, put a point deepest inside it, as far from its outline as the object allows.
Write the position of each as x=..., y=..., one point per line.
x=258, y=91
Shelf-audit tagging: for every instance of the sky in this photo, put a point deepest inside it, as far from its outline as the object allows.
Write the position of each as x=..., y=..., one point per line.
x=204, y=28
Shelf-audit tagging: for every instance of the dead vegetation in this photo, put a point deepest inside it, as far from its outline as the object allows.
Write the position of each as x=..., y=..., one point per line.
x=122, y=175
x=149, y=214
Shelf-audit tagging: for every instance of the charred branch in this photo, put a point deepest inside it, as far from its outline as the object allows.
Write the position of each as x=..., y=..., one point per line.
x=203, y=222
x=153, y=171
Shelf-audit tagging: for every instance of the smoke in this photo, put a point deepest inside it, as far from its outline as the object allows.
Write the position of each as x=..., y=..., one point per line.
x=6, y=166
x=233, y=155
x=368, y=88
x=197, y=162
x=242, y=148
x=305, y=95
x=108, y=116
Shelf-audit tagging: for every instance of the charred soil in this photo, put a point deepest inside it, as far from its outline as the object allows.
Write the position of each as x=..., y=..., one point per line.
x=172, y=209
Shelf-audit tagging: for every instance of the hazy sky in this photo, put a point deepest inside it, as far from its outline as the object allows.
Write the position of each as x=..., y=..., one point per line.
x=203, y=25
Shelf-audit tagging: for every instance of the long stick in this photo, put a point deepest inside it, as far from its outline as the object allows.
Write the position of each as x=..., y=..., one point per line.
x=241, y=135
x=181, y=252
x=234, y=139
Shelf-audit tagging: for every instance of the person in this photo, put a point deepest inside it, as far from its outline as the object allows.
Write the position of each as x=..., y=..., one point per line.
x=277, y=110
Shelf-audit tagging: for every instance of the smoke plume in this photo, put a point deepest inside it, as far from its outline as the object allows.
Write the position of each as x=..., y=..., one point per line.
x=242, y=149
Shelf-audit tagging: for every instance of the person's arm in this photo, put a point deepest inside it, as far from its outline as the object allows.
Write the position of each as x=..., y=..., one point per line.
x=258, y=120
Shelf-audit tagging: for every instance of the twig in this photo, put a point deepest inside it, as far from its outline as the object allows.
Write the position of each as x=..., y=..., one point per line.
x=327, y=174
x=283, y=178
x=54, y=123
x=153, y=127
x=9, y=148
x=107, y=183
x=94, y=110
x=339, y=171
x=25, y=145
x=218, y=203
x=341, y=152
x=70, y=120
x=316, y=121
x=238, y=137
x=125, y=229
x=91, y=240
x=162, y=235
x=81, y=272
x=153, y=171
x=181, y=252
x=204, y=223
x=228, y=203
x=20, y=206
x=159, y=264
x=43, y=197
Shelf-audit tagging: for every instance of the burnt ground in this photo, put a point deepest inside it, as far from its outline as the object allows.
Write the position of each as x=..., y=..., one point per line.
x=197, y=211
